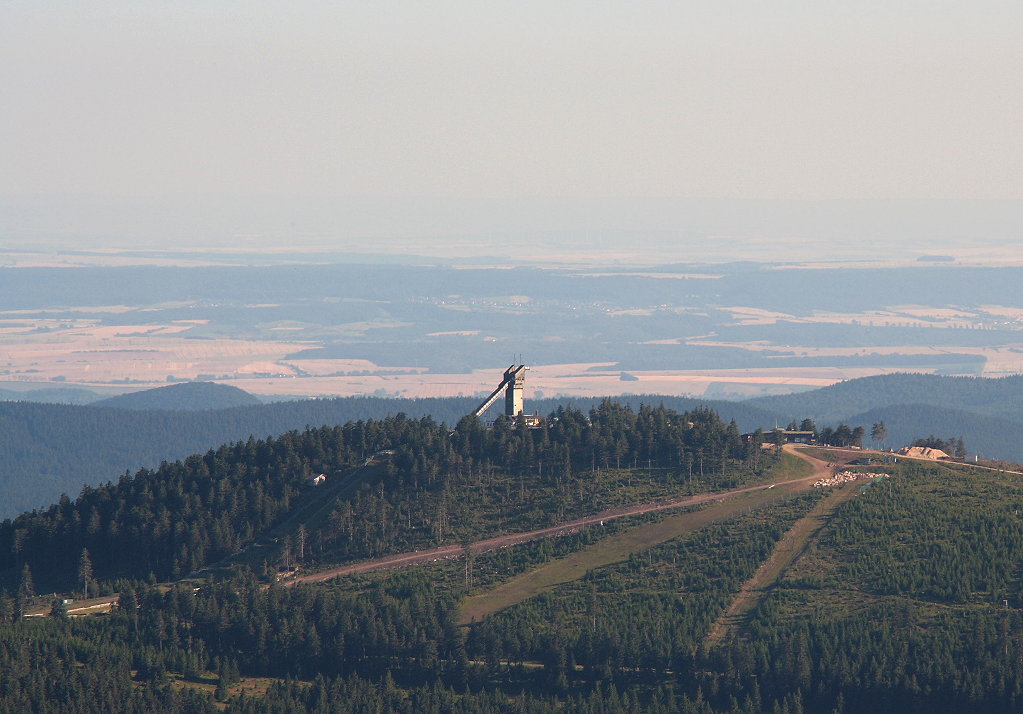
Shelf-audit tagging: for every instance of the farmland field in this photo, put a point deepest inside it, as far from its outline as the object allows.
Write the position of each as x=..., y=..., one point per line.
x=332, y=329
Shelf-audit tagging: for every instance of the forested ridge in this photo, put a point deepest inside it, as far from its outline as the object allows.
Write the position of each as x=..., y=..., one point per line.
x=909, y=599
x=433, y=486
x=992, y=397
x=47, y=449
x=186, y=396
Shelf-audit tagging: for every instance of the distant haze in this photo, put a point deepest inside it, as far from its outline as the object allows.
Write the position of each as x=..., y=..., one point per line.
x=601, y=231
x=247, y=123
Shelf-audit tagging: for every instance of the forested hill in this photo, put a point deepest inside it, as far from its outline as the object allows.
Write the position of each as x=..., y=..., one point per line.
x=188, y=396
x=436, y=487
x=1001, y=397
x=49, y=449
x=50, y=395
x=986, y=413
x=905, y=593
x=986, y=436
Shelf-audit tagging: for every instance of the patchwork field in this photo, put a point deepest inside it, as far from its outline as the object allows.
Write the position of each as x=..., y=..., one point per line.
x=82, y=352
x=347, y=329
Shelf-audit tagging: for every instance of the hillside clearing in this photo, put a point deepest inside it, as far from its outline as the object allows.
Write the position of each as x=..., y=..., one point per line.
x=790, y=476
x=791, y=545
x=617, y=548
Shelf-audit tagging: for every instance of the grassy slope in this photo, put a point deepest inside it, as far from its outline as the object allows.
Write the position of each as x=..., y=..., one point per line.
x=618, y=547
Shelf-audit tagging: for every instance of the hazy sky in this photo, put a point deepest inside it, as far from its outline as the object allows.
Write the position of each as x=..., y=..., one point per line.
x=281, y=101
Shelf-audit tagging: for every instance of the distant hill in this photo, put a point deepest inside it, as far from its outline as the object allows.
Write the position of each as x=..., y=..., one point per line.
x=1002, y=397
x=50, y=395
x=49, y=449
x=187, y=396
x=987, y=413
x=985, y=435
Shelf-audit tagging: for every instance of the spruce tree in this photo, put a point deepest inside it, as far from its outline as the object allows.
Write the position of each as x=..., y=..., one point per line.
x=85, y=572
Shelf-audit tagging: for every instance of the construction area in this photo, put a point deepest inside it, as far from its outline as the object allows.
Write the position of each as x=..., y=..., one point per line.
x=844, y=477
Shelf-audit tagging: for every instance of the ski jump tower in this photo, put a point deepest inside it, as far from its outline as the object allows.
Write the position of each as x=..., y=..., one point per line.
x=513, y=384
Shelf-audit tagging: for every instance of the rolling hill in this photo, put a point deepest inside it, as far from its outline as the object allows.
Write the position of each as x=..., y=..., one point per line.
x=51, y=395
x=986, y=436
x=188, y=396
x=986, y=413
x=1001, y=397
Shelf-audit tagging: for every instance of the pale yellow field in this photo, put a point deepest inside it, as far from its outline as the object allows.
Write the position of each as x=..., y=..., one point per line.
x=80, y=351
x=896, y=316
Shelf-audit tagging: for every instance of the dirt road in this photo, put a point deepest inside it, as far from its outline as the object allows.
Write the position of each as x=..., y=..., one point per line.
x=78, y=608
x=791, y=545
x=484, y=546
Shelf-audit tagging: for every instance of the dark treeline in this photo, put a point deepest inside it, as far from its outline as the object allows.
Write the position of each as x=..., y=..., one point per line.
x=890, y=657
x=434, y=484
x=842, y=435
x=120, y=666
x=46, y=449
x=386, y=654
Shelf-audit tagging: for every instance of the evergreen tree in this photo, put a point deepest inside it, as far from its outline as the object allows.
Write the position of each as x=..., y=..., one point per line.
x=879, y=433
x=85, y=572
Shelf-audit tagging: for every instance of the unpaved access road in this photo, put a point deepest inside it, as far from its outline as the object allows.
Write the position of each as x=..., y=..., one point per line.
x=786, y=551
x=484, y=546
x=78, y=608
